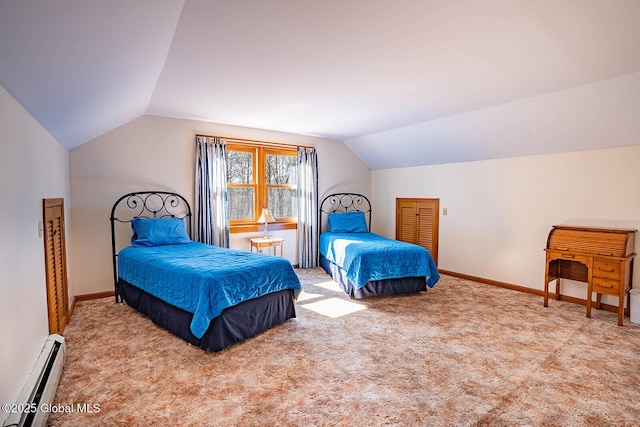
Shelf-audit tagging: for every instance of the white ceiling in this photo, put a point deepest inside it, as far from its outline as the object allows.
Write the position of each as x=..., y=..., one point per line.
x=434, y=80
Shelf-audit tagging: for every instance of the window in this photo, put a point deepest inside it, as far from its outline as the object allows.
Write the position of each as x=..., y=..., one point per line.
x=261, y=176
x=241, y=184
x=281, y=182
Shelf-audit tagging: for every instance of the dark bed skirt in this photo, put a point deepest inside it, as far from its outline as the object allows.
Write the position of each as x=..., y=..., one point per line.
x=234, y=324
x=405, y=285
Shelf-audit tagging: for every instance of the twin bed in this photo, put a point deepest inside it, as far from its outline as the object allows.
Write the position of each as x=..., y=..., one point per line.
x=213, y=297
x=363, y=263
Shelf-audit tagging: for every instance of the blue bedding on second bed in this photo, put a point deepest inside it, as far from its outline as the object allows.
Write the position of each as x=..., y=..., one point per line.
x=368, y=256
x=204, y=279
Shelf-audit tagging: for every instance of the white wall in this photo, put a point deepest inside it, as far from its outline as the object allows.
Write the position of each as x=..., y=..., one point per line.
x=500, y=212
x=33, y=166
x=158, y=153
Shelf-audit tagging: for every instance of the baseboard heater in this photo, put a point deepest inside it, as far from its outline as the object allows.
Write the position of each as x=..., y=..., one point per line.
x=41, y=386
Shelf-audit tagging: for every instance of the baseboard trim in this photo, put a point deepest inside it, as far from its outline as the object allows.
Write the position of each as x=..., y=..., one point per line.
x=552, y=295
x=97, y=295
x=87, y=297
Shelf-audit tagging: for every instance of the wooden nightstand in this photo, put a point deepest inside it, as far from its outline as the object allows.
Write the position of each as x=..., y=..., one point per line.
x=272, y=242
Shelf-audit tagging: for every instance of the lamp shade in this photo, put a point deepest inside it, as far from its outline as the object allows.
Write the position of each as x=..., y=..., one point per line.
x=265, y=217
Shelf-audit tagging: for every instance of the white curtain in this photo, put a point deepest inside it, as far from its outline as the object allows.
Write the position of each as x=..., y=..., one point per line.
x=307, y=207
x=211, y=207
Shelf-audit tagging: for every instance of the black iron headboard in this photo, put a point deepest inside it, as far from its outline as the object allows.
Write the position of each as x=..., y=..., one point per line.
x=345, y=202
x=145, y=204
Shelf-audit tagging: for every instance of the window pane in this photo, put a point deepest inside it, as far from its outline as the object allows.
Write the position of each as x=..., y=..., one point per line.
x=239, y=167
x=281, y=170
x=283, y=202
x=240, y=203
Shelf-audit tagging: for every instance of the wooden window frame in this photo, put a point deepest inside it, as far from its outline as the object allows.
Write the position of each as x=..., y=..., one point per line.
x=260, y=151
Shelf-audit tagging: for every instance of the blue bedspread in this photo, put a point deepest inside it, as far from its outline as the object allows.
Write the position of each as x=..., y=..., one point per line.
x=368, y=256
x=204, y=279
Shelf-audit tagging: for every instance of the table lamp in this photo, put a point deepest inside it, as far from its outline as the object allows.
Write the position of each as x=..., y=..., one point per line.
x=266, y=218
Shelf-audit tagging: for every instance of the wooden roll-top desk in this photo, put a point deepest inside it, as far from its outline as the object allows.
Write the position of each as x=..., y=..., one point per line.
x=601, y=257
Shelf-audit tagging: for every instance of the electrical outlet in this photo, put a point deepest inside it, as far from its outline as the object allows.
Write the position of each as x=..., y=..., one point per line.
x=39, y=228
x=444, y=211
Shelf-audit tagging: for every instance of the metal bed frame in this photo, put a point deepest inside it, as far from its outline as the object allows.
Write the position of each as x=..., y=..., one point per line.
x=345, y=202
x=145, y=204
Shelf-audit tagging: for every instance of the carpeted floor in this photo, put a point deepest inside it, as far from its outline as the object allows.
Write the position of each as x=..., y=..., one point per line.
x=461, y=354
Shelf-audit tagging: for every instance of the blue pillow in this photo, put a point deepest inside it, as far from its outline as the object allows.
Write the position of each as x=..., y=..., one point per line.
x=158, y=231
x=348, y=222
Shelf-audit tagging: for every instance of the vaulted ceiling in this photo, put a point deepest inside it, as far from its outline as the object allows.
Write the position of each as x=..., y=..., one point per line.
x=403, y=82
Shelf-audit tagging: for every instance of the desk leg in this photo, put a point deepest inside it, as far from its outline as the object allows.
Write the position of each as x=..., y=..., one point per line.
x=589, y=291
x=546, y=294
x=621, y=312
x=627, y=311
x=558, y=289
x=621, y=296
x=546, y=283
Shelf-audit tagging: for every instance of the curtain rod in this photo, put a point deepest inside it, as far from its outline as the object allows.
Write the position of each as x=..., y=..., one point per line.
x=255, y=141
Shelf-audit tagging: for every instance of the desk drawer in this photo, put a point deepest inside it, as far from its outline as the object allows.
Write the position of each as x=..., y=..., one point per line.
x=606, y=269
x=603, y=285
x=271, y=244
x=568, y=256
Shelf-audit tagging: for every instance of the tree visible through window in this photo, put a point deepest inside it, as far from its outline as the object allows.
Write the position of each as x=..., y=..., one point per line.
x=261, y=177
x=281, y=183
x=241, y=185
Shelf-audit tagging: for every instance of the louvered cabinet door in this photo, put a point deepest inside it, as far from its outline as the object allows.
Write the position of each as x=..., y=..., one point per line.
x=55, y=264
x=417, y=223
x=406, y=221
